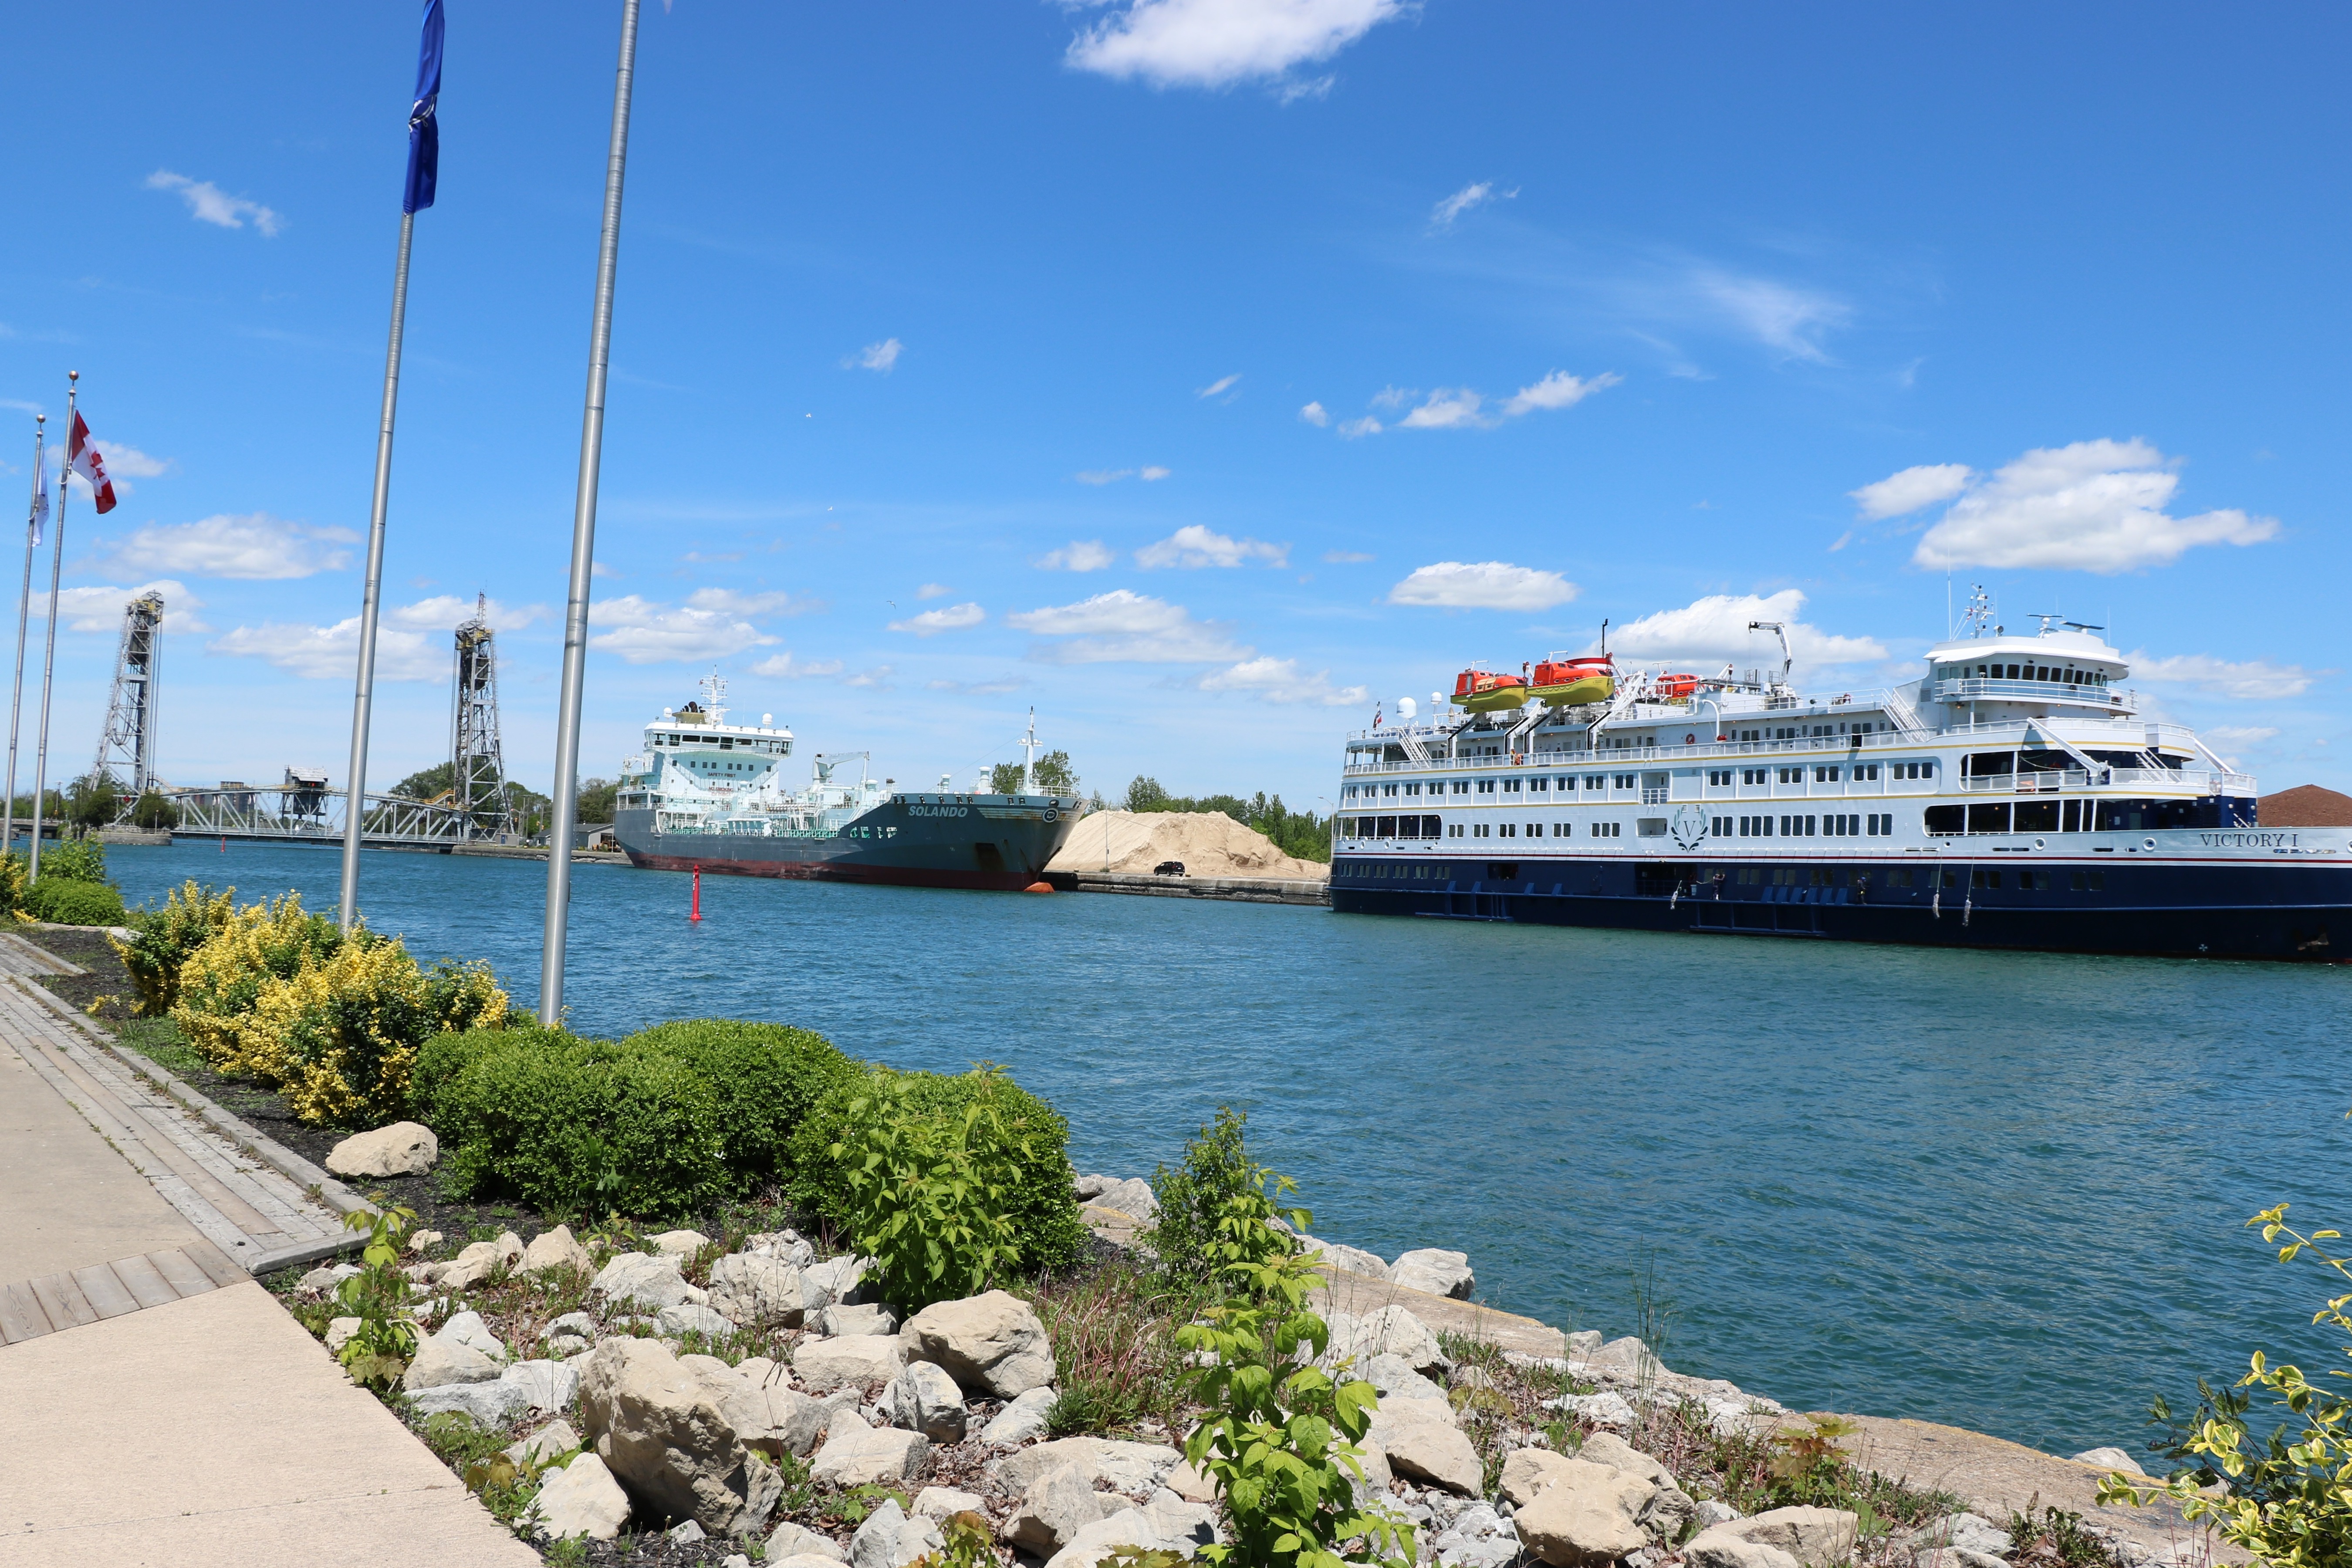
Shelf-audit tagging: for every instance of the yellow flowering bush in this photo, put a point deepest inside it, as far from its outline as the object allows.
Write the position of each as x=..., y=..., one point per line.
x=335, y=1020
x=163, y=940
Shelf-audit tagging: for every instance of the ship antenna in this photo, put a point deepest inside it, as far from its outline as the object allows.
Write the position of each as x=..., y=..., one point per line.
x=1029, y=756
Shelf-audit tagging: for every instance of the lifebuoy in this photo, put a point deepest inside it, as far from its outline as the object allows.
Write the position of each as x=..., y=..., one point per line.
x=1690, y=739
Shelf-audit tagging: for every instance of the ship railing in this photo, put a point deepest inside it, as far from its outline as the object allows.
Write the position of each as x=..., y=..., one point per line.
x=2201, y=781
x=2113, y=699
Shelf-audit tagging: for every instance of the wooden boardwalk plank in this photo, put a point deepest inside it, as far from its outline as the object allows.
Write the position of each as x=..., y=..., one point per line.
x=147, y=1286
x=105, y=1291
x=181, y=1275
x=214, y=1262
x=21, y=1317
x=62, y=1299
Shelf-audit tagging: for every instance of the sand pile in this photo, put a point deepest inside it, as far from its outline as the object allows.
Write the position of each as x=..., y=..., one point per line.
x=1210, y=842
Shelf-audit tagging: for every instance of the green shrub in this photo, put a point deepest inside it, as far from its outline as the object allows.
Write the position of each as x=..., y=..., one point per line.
x=74, y=860
x=576, y=1125
x=163, y=940
x=1046, y=1230
x=768, y=1078
x=71, y=902
x=1213, y=1209
x=927, y=1192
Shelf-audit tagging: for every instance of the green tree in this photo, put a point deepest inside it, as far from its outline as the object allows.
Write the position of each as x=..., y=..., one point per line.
x=93, y=801
x=595, y=799
x=154, y=814
x=1301, y=835
x=428, y=783
x=1055, y=776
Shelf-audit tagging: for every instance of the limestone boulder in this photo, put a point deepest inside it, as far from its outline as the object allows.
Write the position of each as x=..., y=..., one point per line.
x=490, y=1406
x=938, y=1503
x=2110, y=1460
x=1054, y=1508
x=439, y=1361
x=666, y=1437
x=859, y=1361
x=992, y=1344
x=643, y=1282
x=1393, y=1377
x=925, y=1399
x=795, y=1560
x=553, y=1249
x=1190, y=1484
x=836, y=1280
x=1134, y=1468
x=1354, y=1259
x=467, y=1329
x=1608, y=1411
x=1436, y=1452
x=1184, y=1524
x=1586, y=1514
x=1129, y=1527
x=856, y=1454
x=1669, y=1509
x=1435, y=1270
x=1815, y=1536
x=581, y=1500
x=791, y=1541
x=870, y=1318
x=551, y=1441
x=889, y=1538
x=757, y=1292
x=766, y=1411
x=679, y=1244
x=339, y=1331
x=1477, y=1537
x=687, y=1318
x=1717, y=1547
x=1133, y=1196
x=1957, y=1533
x=785, y=1247
x=1527, y=1471
x=403, y=1148
x=1391, y=1331
x=1021, y=1421
x=477, y=1263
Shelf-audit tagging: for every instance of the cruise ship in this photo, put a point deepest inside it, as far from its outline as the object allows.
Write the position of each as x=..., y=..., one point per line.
x=709, y=796
x=2011, y=796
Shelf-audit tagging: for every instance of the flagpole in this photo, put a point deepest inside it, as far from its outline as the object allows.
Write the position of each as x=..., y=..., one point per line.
x=364, y=692
x=24, y=621
x=583, y=547
x=49, y=651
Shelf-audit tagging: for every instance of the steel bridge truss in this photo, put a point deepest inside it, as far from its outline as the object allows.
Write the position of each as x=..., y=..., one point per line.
x=309, y=814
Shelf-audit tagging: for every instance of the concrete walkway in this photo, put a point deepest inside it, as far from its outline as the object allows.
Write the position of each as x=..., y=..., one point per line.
x=163, y=1408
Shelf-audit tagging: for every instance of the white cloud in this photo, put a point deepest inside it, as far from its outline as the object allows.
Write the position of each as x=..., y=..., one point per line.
x=1079, y=555
x=1902, y=493
x=1346, y=557
x=444, y=612
x=1445, y=410
x=874, y=679
x=1124, y=626
x=1153, y=474
x=207, y=203
x=878, y=356
x=1557, y=389
x=2093, y=506
x=1714, y=631
x=1789, y=319
x=255, y=547
x=643, y=632
x=733, y=601
x=1215, y=43
x=933, y=591
x=2251, y=680
x=784, y=666
x=1193, y=545
x=1223, y=383
x=598, y=569
x=100, y=608
x=333, y=653
x=1366, y=425
x=930, y=622
x=1280, y=680
x=2240, y=735
x=1315, y=413
x=122, y=459
x=979, y=687
x=1472, y=195
x=1102, y=476
x=1483, y=585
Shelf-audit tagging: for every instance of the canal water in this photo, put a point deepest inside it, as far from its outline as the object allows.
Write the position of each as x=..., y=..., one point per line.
x=2003, y=1191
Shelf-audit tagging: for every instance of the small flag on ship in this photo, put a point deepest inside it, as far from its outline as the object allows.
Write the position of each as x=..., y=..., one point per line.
x=86, y=461
x=423, y=124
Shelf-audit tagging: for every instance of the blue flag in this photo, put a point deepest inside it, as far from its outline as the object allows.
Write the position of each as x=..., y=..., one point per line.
x=424, y=128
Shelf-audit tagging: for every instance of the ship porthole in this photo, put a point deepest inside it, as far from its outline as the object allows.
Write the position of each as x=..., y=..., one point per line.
x=1049, y=814
x=2148, y=843
x=2042, y=844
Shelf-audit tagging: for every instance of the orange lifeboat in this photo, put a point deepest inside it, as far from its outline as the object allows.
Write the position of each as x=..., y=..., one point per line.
x=1678, y=688
x=1573, y=682
x=1482, y=691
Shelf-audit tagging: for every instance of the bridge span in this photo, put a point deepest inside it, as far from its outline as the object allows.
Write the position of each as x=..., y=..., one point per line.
x=307, y=810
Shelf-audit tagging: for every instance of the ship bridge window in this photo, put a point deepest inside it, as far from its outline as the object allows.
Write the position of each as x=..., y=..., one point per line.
x=1485, y=786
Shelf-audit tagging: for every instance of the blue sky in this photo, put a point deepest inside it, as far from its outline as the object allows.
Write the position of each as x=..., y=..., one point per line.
x=1198, y=371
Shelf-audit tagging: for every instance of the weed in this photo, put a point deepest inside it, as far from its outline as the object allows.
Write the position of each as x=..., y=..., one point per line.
x=970, y=1542
x=378, y=1351
x=2057, y=1537
x=572, y=1552
x=853, y=1507
x=1113, y=1334
x=927, y=1191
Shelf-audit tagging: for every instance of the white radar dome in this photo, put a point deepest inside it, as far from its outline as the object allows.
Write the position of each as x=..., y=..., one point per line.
x=1405, y=710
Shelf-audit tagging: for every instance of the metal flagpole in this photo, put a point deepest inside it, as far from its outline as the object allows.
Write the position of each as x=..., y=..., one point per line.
x=24, y=622
x=363, y=694
x=49, y=652
x=583, y=547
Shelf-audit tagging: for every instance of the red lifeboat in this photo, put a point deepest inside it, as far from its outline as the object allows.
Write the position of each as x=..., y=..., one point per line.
x=1678, y=688
x=1483, y=691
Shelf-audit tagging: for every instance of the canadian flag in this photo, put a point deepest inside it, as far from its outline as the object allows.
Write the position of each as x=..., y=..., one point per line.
x=84, y=459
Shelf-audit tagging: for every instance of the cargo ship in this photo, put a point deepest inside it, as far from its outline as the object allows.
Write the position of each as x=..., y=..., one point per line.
x=2013, y=795
x=706, y=795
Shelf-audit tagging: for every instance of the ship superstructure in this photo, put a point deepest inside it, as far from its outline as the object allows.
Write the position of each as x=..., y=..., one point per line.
x=2013, y=795
x=712, y=796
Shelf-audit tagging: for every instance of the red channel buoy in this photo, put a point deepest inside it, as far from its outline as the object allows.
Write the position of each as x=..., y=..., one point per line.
x=1038, y=888
x=697, y=913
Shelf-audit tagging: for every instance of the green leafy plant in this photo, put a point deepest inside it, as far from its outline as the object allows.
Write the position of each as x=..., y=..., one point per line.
x=1113, y=1327
x=928, y=1192
x=68, y=902
x=2289, y=1498
x=378, y=1351
x=968, y=1541
x=1277, y=1438
x=1806, y=1462
x=162, y=941
x=1215, y=1211
x=74, y=860
x=853, y=1504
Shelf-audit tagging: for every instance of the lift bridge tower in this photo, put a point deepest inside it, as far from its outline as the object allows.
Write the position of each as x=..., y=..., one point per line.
x=126, y=747
x=478, y=779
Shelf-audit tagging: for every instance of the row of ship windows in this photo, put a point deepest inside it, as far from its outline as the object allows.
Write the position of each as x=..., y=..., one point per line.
x=1717, y=778
x=2056, y=672
x=1923, y=878
x=2095, y=815
x=727, y=743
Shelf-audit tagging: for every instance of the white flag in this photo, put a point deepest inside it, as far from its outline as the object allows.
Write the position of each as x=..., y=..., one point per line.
x=40, y=493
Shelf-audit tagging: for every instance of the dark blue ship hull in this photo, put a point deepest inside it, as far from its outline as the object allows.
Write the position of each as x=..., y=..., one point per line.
x=2108, y=904
x=993, y=841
